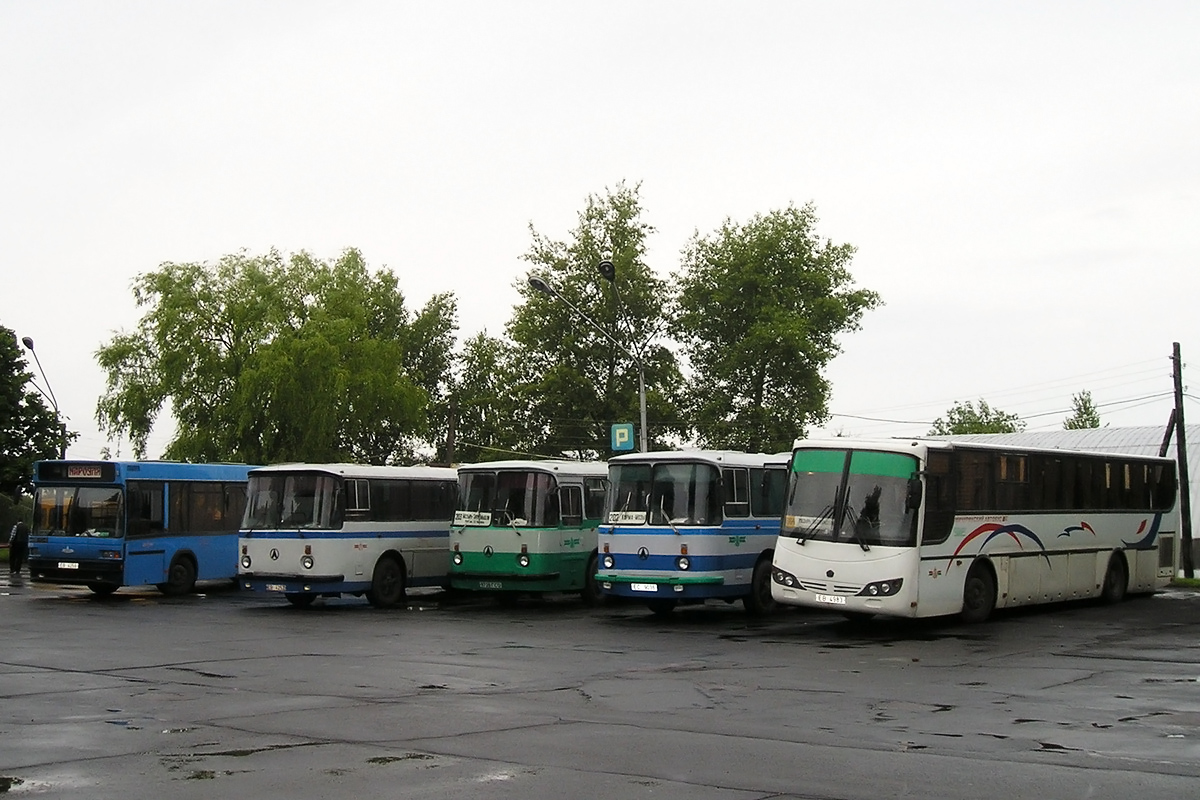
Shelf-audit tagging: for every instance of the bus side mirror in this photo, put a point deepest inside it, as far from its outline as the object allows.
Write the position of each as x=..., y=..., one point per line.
x=913, y=501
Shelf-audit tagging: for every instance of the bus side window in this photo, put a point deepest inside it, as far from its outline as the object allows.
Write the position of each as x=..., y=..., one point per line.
x=939, y=498
x=570, y=499
x=593, y=498
x=736, y=484
x=145, y=511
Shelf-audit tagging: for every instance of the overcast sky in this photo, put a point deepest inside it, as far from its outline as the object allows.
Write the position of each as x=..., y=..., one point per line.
x=1021, y=179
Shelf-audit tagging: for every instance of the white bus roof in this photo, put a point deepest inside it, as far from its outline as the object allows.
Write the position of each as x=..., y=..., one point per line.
x=561, y=466
x=364, y=470
x=729, y=457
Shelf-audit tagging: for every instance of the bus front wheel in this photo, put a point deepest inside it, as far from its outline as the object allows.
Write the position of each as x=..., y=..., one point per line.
x=1116, y=580
x=760, y=602
x=102, y=589
x=387, y=584
x=181, y=578
x=979, y=594
x=661, y=607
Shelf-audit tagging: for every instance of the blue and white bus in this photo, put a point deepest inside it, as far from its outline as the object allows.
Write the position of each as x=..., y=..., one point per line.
x=323, y=530
x=919, y=528
x=683, y=527
x=108, y=524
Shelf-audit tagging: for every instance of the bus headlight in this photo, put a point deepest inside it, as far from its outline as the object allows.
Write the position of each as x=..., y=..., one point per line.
x=245, y=562
x=882, y=588
x=784, y=578
x=306, y=562
x=609, y=562
x=113, y=555
x=683, y=562
x=523, y=560
x=458, y=558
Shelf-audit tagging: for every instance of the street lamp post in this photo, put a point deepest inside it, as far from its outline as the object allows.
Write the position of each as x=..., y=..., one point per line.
x=49, y=395
x=542, y=285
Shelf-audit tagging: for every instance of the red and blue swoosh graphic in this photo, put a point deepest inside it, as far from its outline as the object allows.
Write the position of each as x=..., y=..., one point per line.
x=1145, y=537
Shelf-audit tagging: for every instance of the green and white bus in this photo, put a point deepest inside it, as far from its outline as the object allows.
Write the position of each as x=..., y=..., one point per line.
x=527, y=527
x=920, y=528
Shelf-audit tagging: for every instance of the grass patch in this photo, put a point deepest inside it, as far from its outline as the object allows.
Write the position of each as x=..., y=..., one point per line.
x=1185, y=583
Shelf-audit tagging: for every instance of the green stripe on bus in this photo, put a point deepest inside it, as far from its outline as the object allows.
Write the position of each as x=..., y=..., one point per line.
x=827, y=461
x=889, y=465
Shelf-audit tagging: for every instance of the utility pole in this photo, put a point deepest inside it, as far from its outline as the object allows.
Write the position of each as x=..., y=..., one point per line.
x=1185, y=500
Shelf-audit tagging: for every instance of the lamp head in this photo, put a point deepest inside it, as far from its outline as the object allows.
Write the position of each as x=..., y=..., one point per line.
x=542, y=285
x=28, y=342
x=608, y=270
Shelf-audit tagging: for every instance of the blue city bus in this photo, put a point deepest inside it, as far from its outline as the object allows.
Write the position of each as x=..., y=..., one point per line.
x=108, y=524
x=683, y=527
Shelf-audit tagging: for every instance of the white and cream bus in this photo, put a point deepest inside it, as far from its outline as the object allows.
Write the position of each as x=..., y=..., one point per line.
x=918, y=528
x=315, y=530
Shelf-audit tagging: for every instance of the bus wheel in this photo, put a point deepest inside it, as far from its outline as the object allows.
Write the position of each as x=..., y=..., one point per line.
x=661, y=607
x=1116, y=580
x=760, y=602
x=301, y=599
x=181, y=577
x=102, y=589
x=591, y=594
x=979, y=594
x=387, y=584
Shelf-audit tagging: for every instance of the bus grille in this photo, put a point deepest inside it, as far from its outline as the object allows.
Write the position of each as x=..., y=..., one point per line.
x=821, y=587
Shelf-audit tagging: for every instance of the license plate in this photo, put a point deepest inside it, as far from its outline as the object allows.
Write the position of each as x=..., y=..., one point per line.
x=491, y=585
x=68, y=565
x=643, y=587
x=276, y=587
x=832, y=599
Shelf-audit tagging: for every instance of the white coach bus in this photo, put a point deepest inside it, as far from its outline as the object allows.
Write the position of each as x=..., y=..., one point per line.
x=329, y=529
x=918, y=528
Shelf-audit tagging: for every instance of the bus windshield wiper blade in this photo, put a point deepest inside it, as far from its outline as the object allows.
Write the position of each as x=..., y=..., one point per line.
x=811, y=530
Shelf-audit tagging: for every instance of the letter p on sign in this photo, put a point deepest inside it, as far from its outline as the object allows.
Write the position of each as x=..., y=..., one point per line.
x=622, y=436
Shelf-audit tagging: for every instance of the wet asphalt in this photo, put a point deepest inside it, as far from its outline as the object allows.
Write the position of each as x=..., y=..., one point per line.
x=228, y=693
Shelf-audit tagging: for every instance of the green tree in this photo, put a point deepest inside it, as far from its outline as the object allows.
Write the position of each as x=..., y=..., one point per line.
x=267, y=359
x=1084, y=415
x=573, y=381
x=486, y=415
x=29, y=430
x=965, y=418
x=759, y=311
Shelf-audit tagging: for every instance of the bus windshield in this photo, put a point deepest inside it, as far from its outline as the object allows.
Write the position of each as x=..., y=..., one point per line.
x=299, y=500
x=79, y=511
x=666, y=493
x=509, y=498
x=856, y=496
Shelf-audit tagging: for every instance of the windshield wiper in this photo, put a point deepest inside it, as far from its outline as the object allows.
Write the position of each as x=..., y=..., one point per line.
x=811, y=530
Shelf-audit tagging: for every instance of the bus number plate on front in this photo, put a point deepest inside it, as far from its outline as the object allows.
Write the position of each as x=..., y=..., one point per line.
x=831, y=598
x=276, y=587
x=68, y=565
x=643, y=587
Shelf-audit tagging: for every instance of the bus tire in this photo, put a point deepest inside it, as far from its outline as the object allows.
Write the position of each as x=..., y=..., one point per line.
x=181, y=577
x=387, y=584
x=301, y=599
x=662, y=606
x=591, y=594
x=979, y=594
x=1116, y=580
x=102, y=589
x=760, y=602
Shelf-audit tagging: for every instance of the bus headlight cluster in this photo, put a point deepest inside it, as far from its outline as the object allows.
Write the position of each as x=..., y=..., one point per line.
x=784, y=578
x=113, y=555
x=608, y=561
x=306, y=562
x=458, y=558
x=683, y=562
x=523, y=560
x=881, y=588
x=245, y=562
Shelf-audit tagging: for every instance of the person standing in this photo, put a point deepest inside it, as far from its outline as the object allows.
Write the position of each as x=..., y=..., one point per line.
x=18, y=546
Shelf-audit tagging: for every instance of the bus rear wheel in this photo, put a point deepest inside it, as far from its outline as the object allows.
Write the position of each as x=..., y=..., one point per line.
x=301, y=599
x=387, y=584
x=181, y=577
x=1116, y=580
x=591, y=594
x=760, y=602
x=979, y=594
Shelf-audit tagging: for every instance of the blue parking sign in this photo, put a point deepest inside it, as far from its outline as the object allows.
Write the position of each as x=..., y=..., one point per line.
x=622, y=436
